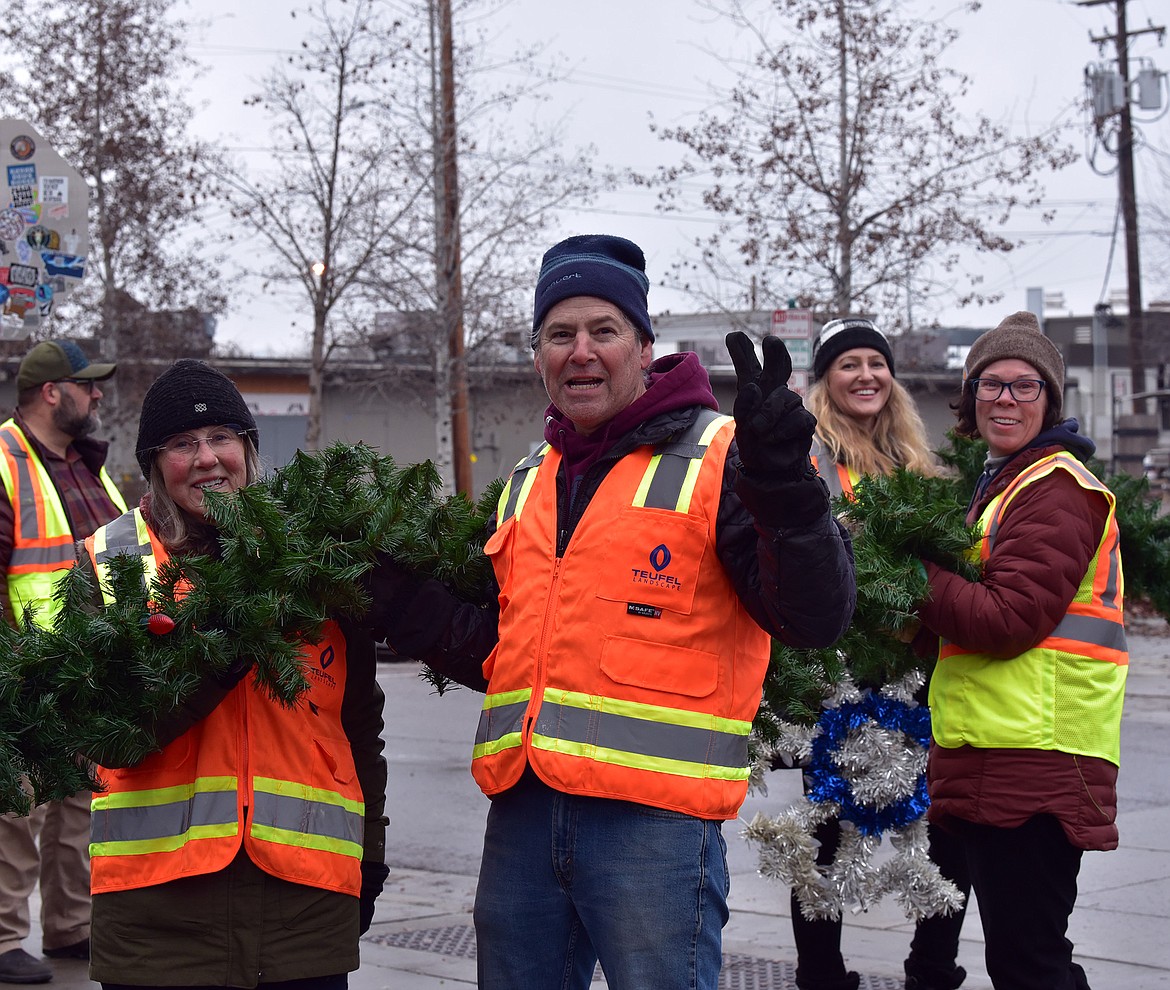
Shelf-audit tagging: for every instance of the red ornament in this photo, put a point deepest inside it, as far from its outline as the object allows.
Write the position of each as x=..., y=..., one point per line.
x=160, y=624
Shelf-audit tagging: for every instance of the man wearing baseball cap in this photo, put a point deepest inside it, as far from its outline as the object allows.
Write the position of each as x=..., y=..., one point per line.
x=56, y=491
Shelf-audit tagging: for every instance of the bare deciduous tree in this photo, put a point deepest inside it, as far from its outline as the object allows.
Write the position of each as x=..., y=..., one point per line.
x=343, y=176
x=1156, y=219
x=101, y=79
x=512, y=176
x=355, y=191
x=841, y=165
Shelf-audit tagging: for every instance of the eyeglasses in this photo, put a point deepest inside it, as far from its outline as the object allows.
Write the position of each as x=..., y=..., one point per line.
x=184, y=446
x=1023, y=390
x=89, y=384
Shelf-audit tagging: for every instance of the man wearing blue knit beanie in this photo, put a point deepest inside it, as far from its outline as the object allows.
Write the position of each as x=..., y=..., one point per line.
x=644, y=555
x=601, y=265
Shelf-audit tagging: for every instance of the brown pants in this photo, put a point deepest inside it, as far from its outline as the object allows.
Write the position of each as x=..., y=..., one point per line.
x=60, y=862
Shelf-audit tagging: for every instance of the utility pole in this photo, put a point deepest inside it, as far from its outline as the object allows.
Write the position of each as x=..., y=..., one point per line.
x=1136, y=320
x=448, y=250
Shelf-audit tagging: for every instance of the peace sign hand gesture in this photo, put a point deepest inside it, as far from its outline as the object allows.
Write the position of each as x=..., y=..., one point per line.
x=773, y=430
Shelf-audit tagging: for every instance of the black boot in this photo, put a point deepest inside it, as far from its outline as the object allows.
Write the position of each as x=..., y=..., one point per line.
x=936, y=980
x=850, y=981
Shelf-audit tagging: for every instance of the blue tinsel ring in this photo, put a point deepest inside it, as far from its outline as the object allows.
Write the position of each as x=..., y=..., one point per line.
x=824, y=779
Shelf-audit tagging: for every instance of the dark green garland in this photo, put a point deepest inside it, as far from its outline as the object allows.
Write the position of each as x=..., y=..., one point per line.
x=295, y=551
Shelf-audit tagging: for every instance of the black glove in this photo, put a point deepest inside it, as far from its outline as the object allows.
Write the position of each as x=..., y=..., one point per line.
x=773, y=430
x=391, y=588
x=373, y=879
x=231, y=676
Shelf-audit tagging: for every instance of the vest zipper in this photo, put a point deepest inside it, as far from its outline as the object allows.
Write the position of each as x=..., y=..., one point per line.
x=542, y=653
x=244, y=799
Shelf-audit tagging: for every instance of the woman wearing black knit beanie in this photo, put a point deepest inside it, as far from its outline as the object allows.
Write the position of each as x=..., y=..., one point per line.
x=868, y=426
x=250, y=848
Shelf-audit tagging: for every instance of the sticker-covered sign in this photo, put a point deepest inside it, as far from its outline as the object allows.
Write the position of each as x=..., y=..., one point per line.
x=44, y=227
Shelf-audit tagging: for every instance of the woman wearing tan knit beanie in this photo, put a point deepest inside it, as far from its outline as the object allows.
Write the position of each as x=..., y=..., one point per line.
x=1027, y=693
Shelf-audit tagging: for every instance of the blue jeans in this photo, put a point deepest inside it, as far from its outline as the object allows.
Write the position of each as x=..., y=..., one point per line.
x=569, y=881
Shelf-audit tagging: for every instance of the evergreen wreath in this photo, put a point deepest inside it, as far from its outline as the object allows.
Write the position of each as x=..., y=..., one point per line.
x=895, y=521
x=294, y=551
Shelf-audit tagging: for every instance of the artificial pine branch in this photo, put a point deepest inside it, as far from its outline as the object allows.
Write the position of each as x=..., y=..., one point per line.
x=294, y=551
x=895, y=521
x=1145, y=541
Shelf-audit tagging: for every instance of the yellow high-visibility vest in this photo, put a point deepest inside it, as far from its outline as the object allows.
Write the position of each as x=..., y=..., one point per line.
x=1064, y=694
x=42, y=544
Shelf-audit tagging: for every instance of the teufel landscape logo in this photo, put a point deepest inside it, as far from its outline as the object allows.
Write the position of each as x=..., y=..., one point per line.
x=656, y=575
x=325, y=659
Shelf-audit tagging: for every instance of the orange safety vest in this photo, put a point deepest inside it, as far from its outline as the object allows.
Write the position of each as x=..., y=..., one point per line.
x=42, y=543
x=1065, y=693
x=288, y=772
x=628, y=668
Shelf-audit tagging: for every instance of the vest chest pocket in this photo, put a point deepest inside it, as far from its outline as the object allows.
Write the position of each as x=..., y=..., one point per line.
x=653, y=558
x=498, y=550
x=660, y=666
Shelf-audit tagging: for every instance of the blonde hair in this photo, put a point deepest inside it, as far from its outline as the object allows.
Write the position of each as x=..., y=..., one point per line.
x=897, y=438
x=177, y=530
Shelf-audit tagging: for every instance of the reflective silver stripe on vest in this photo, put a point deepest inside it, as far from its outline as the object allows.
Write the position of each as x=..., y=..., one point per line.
x=29, y=525
x=675, y=458
x=58, y=556
x=122, y=539
x=499, y=721
x=291, y=813
x=516, y=482
x=1089, y=629
x=1109, y=591
x=827, y=469
x=609, y=731
x=1112, y=560
x=1020, y=481
x=161, y=821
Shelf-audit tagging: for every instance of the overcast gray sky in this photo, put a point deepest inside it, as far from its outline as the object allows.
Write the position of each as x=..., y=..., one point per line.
x=629, y=58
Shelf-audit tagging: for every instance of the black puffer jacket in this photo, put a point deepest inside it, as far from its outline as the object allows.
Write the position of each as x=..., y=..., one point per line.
x=797, y=582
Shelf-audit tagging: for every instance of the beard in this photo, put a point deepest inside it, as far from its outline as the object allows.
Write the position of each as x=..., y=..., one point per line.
x=71, y=421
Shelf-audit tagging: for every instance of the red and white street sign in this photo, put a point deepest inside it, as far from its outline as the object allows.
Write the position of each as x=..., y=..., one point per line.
x=792, y=324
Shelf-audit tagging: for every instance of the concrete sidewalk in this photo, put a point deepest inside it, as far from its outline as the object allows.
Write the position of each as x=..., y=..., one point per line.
x=422, y=936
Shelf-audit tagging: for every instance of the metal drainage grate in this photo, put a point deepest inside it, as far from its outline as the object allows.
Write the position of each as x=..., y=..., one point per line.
x=453, y=940
x=740, y=972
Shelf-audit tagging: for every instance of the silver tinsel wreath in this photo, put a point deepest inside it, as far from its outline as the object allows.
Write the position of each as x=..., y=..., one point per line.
x=881, y=770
